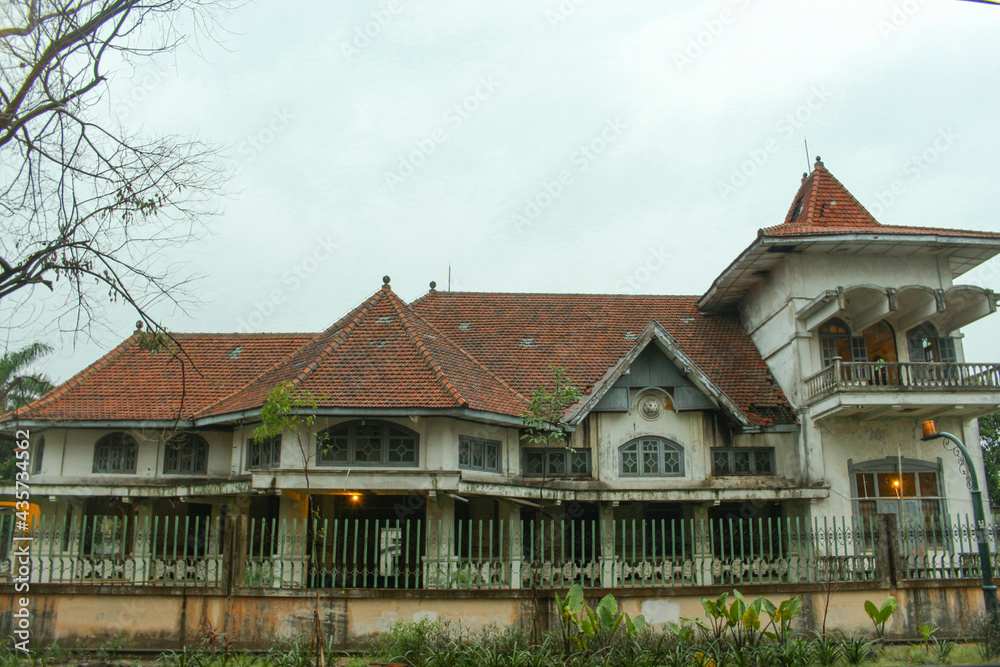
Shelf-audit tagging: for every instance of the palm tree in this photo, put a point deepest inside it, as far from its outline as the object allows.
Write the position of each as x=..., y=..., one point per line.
x=16, y=388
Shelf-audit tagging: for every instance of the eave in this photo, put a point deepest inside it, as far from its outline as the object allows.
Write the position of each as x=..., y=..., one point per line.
x=766, y=252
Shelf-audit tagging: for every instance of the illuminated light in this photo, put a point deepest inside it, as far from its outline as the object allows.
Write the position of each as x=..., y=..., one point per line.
x=896, y=483
x=929, y=429
x=355, y=497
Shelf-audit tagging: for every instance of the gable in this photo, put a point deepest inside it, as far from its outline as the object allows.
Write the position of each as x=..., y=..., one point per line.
x=652, y=368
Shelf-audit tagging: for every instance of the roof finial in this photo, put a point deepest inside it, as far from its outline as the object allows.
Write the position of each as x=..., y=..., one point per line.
x=819, y=161
x=433, y=285
x=385, y=282
x=138, y=327
x=805, y=175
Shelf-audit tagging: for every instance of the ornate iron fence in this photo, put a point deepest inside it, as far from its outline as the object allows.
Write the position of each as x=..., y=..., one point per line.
x=415, y=554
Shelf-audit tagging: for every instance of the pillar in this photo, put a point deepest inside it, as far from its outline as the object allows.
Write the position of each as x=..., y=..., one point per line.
x=440, y=563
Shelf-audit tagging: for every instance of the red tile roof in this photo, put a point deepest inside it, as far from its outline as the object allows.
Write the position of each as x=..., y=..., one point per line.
x=131, y=384
x=383, y=356
x=520, y=336
x=824, y=206
x=447, y=350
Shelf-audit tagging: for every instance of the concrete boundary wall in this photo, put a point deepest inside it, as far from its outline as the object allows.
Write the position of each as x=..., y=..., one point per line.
x=170, y=618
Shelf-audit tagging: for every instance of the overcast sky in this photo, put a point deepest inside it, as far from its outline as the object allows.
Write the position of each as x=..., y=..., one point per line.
x=574, y=146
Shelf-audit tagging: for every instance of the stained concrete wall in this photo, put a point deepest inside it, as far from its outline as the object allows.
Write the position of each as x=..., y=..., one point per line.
x=172, y=618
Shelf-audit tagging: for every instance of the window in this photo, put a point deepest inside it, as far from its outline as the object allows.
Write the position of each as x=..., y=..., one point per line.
x=36, y=456
x=742, y=461
x=651, y=457
x=367, y=443
x=924, y=344
x=909, y=488
x=264, y=454
x=556, y=462
x=186, y=454
x=835, y=340
x=478, y=454
x=115, y=453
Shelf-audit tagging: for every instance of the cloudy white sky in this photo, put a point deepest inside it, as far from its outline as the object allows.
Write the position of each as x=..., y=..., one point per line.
x=402, y=137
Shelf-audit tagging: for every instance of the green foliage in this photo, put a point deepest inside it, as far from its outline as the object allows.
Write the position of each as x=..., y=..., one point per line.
x=18, y=388
x=543, y=418
x=279, y=415
x=583, y=627
x=826, y=651
x=989, y=438
x=741, y=621
x=879, y=615
x=856, y=650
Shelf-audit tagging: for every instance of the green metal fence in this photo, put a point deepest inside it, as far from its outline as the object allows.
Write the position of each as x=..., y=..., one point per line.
x=416, y=554
x=175, y=550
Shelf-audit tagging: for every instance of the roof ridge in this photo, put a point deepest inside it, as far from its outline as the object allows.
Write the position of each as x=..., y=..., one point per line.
x=339, y=336
x=75, y=380
x=849, y=193
x=357, y=311
x=468, y=354
x=424, y=352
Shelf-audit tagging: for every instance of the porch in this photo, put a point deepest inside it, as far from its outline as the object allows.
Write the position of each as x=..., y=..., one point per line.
x=598, y=546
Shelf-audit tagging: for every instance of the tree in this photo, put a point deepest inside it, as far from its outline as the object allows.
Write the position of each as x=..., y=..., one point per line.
x=17, y=388
x=989, y=438
x=543, y=418
x=84, y=202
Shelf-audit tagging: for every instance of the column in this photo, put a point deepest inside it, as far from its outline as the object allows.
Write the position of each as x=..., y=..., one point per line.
x=440, y=563
x=512, y=549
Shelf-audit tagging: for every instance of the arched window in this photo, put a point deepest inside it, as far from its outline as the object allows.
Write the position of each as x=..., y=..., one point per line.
x=924, y=344
x=651, y=457
x=367, y=443
x=835, y=340
x=186, y=454
x=116, y=453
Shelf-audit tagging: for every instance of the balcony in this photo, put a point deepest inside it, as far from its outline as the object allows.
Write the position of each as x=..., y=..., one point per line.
x=923, y=388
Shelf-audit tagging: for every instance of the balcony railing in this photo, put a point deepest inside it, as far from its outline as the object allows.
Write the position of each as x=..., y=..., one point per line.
x=896, y=376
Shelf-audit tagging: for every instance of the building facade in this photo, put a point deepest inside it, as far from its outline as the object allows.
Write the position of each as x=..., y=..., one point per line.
x=716, y=438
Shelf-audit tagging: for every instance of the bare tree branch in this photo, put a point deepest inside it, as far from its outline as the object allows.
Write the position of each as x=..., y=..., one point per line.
x=85, y=206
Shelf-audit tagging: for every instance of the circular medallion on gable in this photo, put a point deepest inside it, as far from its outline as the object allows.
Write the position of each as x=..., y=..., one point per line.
x=650, y=407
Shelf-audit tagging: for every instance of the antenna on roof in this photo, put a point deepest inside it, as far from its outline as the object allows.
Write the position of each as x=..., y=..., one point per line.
x=808, y=164
x=449, y=276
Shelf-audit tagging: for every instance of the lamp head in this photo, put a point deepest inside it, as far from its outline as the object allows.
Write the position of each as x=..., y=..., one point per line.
x=929, y=430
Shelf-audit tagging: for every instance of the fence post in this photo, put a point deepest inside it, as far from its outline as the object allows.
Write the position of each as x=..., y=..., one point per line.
x=233, y=562
x=887, y=567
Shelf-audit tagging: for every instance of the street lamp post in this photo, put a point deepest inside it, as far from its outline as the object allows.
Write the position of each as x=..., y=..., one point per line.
x=930, y=432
